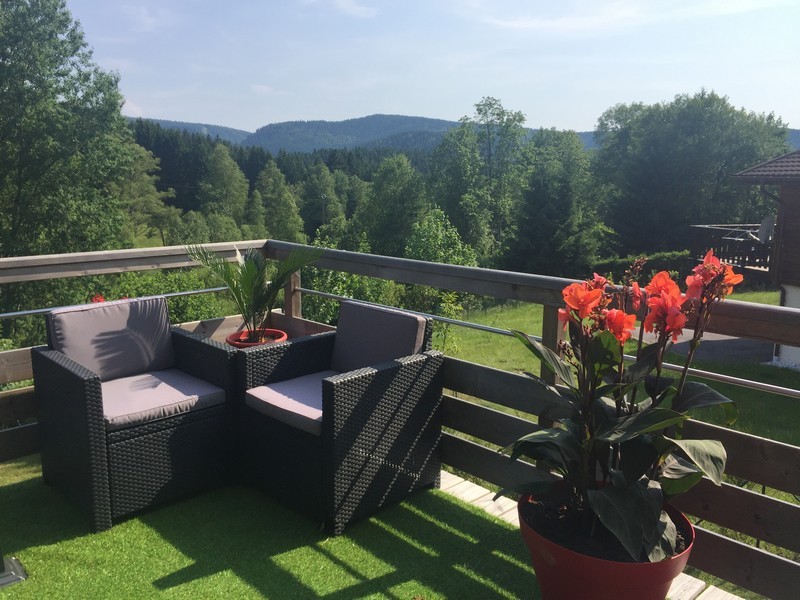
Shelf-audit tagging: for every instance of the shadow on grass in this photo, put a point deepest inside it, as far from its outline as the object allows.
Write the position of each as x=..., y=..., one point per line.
x=428, y=546
x=237, y=538
x=33, y=514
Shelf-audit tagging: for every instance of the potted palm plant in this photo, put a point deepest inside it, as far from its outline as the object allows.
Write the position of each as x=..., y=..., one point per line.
x=254, y=287
x=602, y=526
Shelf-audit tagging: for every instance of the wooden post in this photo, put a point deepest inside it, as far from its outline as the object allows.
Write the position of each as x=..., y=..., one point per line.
x=550, y=336
x=292, y=298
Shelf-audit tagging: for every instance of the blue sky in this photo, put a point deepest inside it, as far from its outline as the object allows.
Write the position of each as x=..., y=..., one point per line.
x=247, y=63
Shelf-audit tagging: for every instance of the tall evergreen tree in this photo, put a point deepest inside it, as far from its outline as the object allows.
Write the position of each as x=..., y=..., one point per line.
x=398, y=201
x=320, y=204
x=223, y=188
x=282, y=214
x=254, y=227
x=558, y=229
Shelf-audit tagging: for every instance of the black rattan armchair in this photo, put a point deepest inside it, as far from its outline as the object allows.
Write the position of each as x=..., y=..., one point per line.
x=131, y=412
x=341, y=424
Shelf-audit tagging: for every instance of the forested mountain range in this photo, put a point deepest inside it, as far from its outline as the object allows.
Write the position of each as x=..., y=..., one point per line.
x=375, y=131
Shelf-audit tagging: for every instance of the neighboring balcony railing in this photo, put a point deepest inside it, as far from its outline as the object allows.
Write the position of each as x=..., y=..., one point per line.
x=481, y=404
x=745, y=246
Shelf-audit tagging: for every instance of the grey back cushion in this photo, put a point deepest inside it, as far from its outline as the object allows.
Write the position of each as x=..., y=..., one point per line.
x=367, y=335
x=114, y=339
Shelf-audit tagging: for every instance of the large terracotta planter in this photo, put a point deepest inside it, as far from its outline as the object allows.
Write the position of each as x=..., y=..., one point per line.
x=239, y=338
x=566, y=575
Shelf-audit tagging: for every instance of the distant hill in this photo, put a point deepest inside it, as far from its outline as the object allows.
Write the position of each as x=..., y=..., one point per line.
x=376, y=131
x=393, y=131
x=228, y=134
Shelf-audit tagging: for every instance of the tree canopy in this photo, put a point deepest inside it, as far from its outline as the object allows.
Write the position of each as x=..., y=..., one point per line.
x=669, y=166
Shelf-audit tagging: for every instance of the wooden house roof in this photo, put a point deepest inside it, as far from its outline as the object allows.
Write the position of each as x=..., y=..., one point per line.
x=783, y=169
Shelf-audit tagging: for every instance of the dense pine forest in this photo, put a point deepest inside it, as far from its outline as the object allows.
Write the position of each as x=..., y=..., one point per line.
x=75, y=175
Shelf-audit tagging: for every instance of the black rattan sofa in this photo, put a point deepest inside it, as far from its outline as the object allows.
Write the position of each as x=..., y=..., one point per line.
x=341, y=424
x=131, y=412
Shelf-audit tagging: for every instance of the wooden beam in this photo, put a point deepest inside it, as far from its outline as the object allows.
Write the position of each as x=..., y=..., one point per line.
x=17, y=404
x=19, y=441
x=753, y=458
x=759, y=516
x=483, y=422
x=511, y=390
x=486, y=464
x=773, y=576
x=78, y=264
x=15, y=365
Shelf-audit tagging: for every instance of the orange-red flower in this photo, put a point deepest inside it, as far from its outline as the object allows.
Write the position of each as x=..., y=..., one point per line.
x=636, y=295
x=598, y=281
x=580, y=298
x=665, y=315
x=662, y=282
x=731, y=279
x=620, y=324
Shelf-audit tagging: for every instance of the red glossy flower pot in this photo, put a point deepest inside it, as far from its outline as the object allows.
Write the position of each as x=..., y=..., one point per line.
x=239, y=338
x=566, y=575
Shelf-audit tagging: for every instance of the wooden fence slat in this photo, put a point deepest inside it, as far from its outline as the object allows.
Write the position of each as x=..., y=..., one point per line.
x=772, y=576
x=15, y=365
x=750, y=457
x=518, y=392
x=486, y=464
x=483, y=422
x=19, y=441
x=17, y=404
x=759, y=516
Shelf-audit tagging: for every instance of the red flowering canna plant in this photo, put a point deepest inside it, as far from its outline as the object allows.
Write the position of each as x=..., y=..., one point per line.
x=618, y=448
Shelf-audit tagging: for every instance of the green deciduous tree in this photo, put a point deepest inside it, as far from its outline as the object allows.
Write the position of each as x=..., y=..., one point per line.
x=670, y=166
x=500, y=132
x=457, y=185
x=64, y=147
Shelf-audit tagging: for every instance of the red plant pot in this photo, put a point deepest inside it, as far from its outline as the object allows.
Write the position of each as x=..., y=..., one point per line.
x=239, y=338
x=566, y=575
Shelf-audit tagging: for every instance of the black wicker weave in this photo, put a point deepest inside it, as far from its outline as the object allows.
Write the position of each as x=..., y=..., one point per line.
x=114, y=474
x=380, y=431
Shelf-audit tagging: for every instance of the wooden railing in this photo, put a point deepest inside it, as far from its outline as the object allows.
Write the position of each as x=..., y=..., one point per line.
x=478, y=398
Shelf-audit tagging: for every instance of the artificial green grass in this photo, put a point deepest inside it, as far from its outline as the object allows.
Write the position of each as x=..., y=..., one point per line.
x=236, y=542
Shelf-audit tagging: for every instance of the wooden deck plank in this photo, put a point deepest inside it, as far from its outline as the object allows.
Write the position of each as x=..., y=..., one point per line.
x=714, y=593
x=685, y=587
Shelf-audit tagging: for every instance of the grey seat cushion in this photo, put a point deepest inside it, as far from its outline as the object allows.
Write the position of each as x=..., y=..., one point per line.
x=368, y=335
x=114, y=339
x=296, y=402
x=142, y=398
